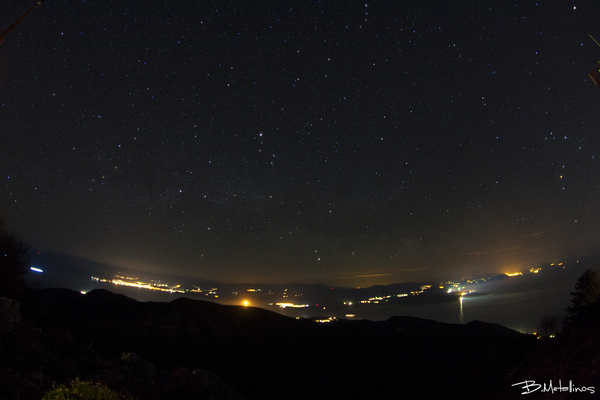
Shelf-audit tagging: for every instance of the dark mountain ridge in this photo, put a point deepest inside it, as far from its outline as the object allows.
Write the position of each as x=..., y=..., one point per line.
x=261, y=354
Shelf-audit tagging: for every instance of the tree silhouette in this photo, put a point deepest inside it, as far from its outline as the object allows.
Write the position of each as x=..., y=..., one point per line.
x=14, y=261
x=550, y=325
x=587, y=291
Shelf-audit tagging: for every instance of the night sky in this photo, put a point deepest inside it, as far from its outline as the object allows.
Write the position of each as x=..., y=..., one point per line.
x=346, y=143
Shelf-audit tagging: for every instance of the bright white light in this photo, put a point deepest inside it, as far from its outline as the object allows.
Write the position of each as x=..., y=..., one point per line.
x=34, y=269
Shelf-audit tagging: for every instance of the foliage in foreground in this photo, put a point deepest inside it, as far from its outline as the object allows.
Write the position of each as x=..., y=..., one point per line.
x=82, y=390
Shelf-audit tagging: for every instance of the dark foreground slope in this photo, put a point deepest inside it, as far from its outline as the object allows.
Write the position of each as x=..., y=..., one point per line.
x=570, y=361
x=200, y=350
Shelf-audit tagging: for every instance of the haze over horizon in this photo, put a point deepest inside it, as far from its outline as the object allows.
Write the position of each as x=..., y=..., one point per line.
x=517, y=302
x=349, y=144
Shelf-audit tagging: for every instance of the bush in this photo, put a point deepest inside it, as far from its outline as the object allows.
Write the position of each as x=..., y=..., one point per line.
x=550, y=325
x=82, y=390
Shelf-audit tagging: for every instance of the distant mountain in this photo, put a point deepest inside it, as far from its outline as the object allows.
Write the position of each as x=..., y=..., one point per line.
x=52, y=261
x=500, y=277
x=62, y=270
x=69, y=271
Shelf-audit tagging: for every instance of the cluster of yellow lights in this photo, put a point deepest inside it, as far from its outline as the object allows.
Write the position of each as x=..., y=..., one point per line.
x=291, y=305
x=455, y=287
x=323, y=321
x=535, y=270
x=161, y=287
x=211, y=291
x=423, y=288
x=476, y=280
x=144, y=285
x=377, y=299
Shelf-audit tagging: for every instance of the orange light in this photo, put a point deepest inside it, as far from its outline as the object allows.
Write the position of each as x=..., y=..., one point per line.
x=514, y=273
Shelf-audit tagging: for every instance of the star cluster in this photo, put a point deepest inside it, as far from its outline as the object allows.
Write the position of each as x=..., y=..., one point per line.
x=310, y=141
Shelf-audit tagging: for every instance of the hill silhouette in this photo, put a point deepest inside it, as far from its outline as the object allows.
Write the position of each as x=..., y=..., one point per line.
x=195, y=348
